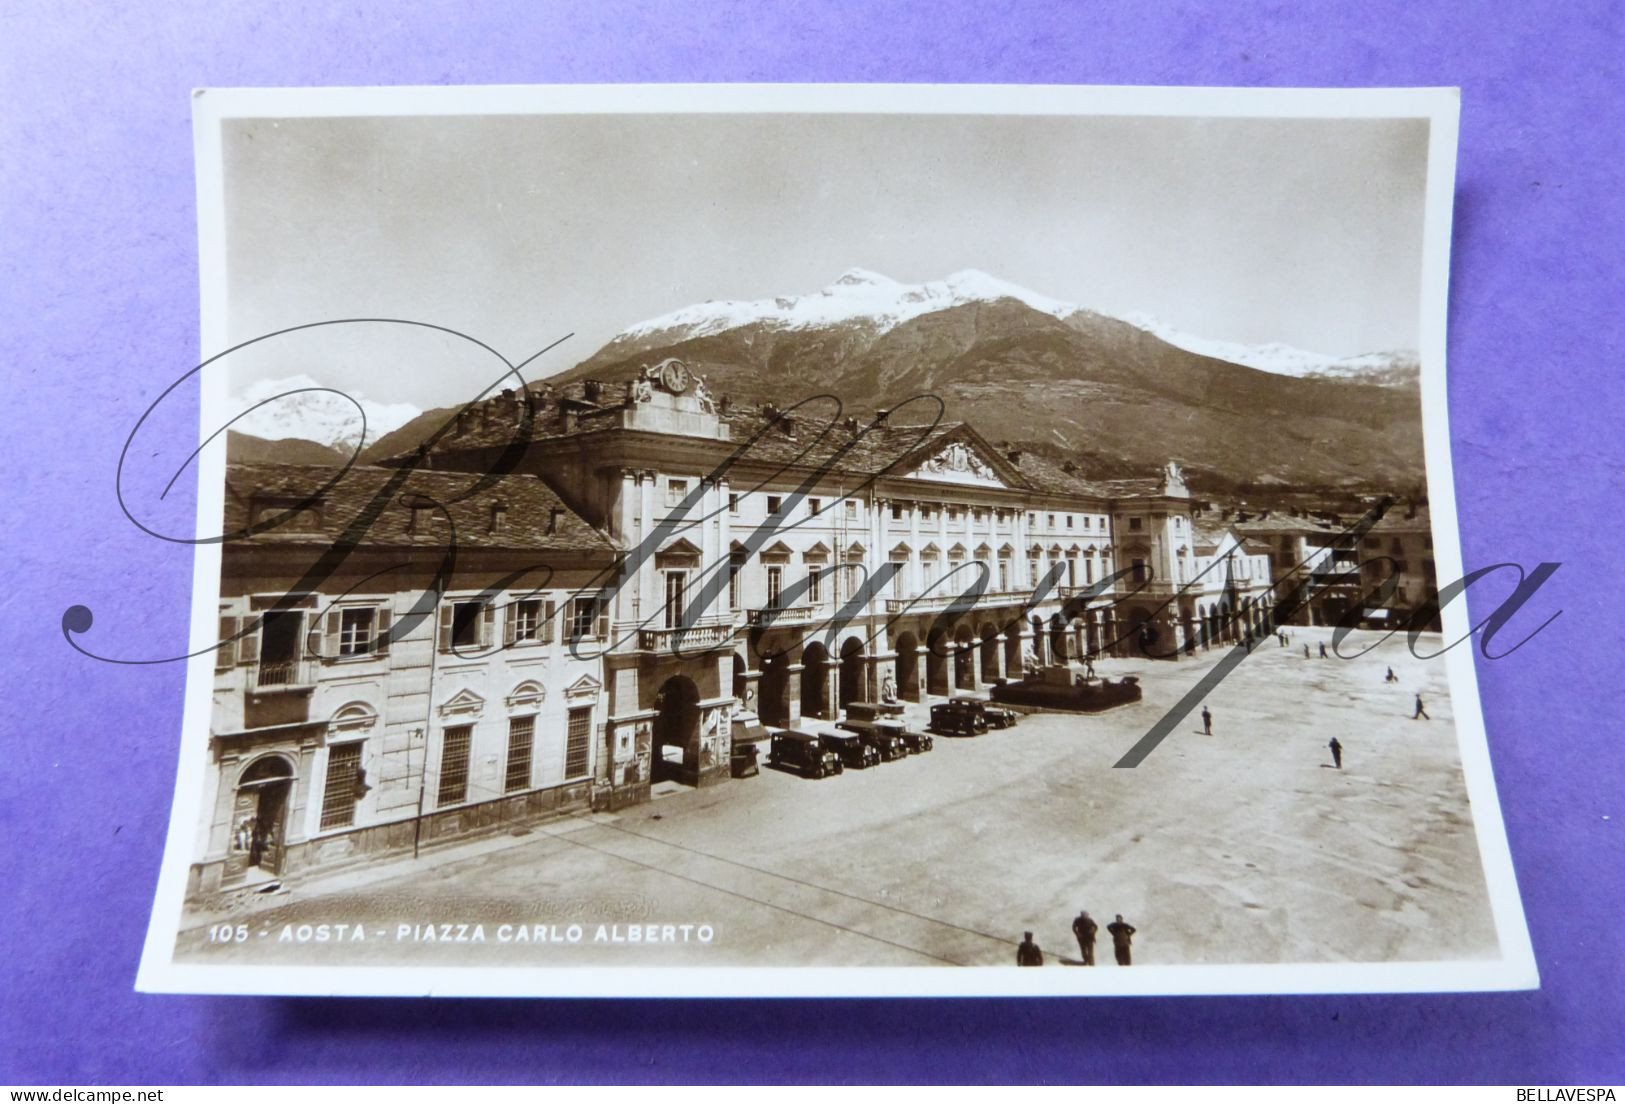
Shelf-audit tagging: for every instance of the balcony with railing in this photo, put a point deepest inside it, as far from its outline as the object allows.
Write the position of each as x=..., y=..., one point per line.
x=701, y=634
x=783, y=617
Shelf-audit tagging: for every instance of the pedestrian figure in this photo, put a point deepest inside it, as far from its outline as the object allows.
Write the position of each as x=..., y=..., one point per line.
x=1322, y=649
x=1122, y=935
x=1089, y=667
x=1281, y=636
x=1420, y=712
x=1028, y=953
x=1306, y=651
x=1337, y=753
x=1207, y=722
x=1390, y=676
x=1084, y=928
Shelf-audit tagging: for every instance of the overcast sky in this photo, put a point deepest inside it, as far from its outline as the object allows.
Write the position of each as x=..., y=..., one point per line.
x=521, y=229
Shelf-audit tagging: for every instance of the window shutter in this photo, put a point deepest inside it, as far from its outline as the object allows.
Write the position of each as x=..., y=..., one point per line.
x=248, y=645
x=313, y=636
x=330, y=635
x=380, y=640
x=225, y=654
x=444, y=643
x=551, y=610
x=488, y=624
x=601, y=624
x=509, y=618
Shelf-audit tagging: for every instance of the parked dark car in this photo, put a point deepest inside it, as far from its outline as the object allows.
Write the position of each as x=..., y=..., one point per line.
x=955, y=718
x=887, y=742
x=1060, y=687
x=742, y=760
x=803, y=752
x=854, y=751
x=874, y=711
x=916, y=742
x=997, y=716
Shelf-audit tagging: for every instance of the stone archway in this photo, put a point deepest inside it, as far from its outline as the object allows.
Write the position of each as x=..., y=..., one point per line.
x=908, y=666
x=937, y=648
x=677, y=731
x=1057, y=639
x=990, y=652
x=964, y=658
x=773, y=690
x=815, y=680
x=853, y=680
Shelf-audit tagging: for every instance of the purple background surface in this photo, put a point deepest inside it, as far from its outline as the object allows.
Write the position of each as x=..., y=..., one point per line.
x=99, y=304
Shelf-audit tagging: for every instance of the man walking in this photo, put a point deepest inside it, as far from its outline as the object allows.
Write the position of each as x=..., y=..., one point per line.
x=1028, y=953
x=1084, y=927
x=1337, y=753
x=1122, y=935
x=1306, y=651
x=1207, y=722
x=1420, y=712
x=1322, y=649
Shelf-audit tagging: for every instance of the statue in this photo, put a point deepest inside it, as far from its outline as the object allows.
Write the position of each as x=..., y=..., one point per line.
x=888, y=690
x=1173, y=479
x=642, y=392
x=703, y=394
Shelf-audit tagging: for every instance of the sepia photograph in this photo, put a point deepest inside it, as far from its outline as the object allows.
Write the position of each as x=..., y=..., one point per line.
x=796, y=540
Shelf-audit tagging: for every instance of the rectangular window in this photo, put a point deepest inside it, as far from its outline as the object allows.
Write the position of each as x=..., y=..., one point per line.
x=897, y=511
x=355, y=631
x=775, y=585
x=1135, y=523
x=1052, y=521
x=526, y=618
x=1069, y=521
x=736, y=571
x=851, y=509
x=1138, y=571
x=774, y=504
x=521, y=738
x=577, y=740
x=813, y=506
x=815, y=579
x=733, y=503
x=581, y=618
x=676, y=491
x=676, y=581
x=1004, y=576
x=465, y=626
x=453, y=788
x=338, y=795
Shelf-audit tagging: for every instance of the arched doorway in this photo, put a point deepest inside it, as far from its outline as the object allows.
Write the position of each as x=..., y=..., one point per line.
x=908, y=666
x=773, y=690
x=990, y=652
x=739, y=680
x=1057, y=639
x=853, y=684
x=936, y=662
x=814, y=680
x=1013, y=668
x=259, y=818
x=1038, y=641
x=1143, y=634
x=677, y=731
x=964, y=659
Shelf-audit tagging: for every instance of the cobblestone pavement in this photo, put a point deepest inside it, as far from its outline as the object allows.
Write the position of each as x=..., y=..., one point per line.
x=1246, y=846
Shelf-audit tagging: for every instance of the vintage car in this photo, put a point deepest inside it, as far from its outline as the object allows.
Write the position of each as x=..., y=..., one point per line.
x=874, y=711
x=887, y=742
x=855, y=752
x=742, y=760
x=996, y=717
x=803, y=752
x=1069, y=688
x=915, y=742
x=956, y=718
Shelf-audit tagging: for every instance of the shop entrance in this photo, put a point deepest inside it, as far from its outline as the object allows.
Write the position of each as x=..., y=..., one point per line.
x=259, y=820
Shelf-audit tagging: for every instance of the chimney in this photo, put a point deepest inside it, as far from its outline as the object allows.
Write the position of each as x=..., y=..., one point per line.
x=1014, y=456
x=1069, y=467
x=851, y=425
x=593, y=390
x=553, y=517
x=882, y=416
x=724, y=404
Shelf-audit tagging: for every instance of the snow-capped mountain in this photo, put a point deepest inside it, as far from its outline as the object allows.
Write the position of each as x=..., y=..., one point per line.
x=857, y=296
x=869, y=304
x=1395, y=367
x=324, y=416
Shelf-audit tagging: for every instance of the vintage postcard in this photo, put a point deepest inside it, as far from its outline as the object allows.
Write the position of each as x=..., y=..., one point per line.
x=824, y=540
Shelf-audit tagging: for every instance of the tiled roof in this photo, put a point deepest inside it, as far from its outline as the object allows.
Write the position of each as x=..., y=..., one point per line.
x=531, y=517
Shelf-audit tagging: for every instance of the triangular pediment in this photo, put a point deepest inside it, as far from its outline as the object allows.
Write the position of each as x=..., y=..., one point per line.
x=584, y=687
x=681, y=548
x=464, y=703
x=963, y=459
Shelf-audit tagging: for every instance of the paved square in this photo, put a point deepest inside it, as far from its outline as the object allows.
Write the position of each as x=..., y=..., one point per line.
x=1245, y=846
